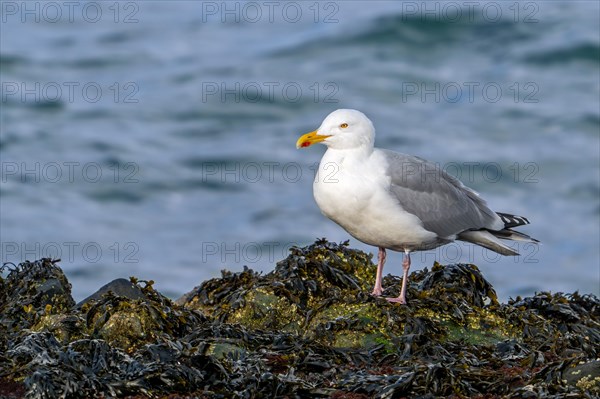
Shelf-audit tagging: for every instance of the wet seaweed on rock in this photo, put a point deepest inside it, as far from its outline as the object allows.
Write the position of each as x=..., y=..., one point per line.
x=309, y=328
x=32, y=290
x=130, y=323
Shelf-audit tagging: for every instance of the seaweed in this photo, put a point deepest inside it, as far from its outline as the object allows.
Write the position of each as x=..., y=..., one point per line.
x=309, y=328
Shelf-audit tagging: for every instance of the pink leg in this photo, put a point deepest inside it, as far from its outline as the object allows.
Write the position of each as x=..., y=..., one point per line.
x=378, y=289
x=406, y=266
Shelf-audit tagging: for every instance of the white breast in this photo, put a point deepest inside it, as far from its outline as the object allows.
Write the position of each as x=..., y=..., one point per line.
x=351, y=188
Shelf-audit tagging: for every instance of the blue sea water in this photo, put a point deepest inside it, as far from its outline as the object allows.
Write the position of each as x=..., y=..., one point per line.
x=157, y=138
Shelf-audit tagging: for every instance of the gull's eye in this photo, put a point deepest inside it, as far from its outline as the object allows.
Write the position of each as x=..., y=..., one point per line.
x=344, y=125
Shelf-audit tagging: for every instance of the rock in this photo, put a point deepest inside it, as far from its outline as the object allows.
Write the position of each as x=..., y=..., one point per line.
x=128, y=323
x=307, y=329
x=65, y=327
x=121, y=287
x=322, y=293
x=585, y=376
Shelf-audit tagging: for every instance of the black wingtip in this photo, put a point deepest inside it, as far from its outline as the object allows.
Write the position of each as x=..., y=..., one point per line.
x=512, y=220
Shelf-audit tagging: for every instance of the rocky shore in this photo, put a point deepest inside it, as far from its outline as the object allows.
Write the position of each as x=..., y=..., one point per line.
x=309, y=328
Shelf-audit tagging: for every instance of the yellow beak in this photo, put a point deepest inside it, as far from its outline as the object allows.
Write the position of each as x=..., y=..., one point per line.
x=309, y=139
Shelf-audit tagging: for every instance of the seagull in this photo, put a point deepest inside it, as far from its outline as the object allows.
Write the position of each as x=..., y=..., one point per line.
x=397, y=201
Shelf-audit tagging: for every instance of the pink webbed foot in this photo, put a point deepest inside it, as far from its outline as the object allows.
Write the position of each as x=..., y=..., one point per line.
x=399, y=300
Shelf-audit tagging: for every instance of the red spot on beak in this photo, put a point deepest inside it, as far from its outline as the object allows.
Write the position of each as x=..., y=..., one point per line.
x=305, y=144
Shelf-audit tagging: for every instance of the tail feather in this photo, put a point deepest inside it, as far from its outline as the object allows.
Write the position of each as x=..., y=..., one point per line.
x=487, y=240
x=508, y=234
x=490, y=239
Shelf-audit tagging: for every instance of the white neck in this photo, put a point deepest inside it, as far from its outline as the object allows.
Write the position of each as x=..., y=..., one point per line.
x=360, y=152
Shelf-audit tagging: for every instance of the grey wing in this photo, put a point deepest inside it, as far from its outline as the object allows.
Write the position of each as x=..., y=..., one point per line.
x=444, y=205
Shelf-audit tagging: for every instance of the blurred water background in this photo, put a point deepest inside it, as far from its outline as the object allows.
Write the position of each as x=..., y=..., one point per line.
x=156, y=138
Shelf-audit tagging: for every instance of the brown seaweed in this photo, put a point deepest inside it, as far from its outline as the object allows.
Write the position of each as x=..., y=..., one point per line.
x=309, y=328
